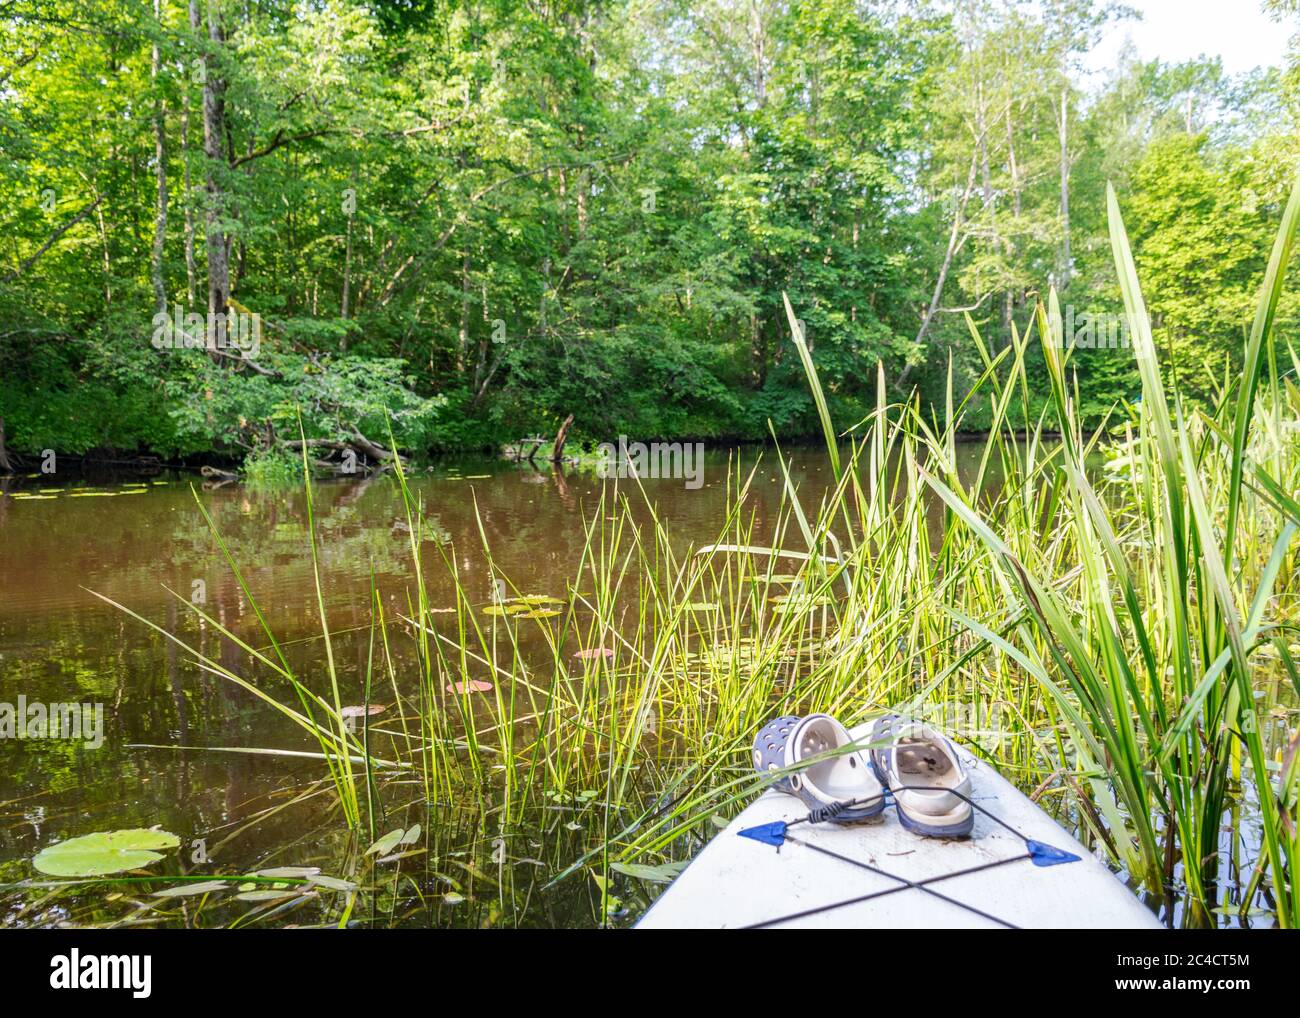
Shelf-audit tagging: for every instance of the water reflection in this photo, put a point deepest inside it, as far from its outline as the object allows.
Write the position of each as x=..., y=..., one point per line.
x=147, y=547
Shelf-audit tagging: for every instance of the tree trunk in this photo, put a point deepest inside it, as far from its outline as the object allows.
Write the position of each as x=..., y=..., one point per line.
x=561, y=436
x=1012, y=165
x=853, y=310
x=462, y=337
x=953, y=243
x=6, y=464
x=1065, y=187
x=758, y=51
x=996, y=239
x=350, y=209
x=160, y=174
x=584, y=182
x=583, y=189
x=189, y=200
x=1013, y=242
x=214, y=130
x=347, y=277
x=107, y=255
x=982, y=148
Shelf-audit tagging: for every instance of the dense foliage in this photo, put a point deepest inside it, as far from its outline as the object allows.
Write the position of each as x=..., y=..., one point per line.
x=472, y=219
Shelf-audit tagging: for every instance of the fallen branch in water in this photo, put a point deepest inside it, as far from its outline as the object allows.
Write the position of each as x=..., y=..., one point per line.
x=381, y=458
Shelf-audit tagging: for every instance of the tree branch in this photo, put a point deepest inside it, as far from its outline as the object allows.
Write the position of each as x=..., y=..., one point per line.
x=279, y=141
x=15, y=273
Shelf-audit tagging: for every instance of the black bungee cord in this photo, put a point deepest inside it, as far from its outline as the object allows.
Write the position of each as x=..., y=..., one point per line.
x=776, y=834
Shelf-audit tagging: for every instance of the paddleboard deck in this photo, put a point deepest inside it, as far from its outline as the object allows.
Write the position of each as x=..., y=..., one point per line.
x=737, y=882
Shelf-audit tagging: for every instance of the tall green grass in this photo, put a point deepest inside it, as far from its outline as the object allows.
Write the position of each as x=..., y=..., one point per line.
x=1148, y=655
x=1117, y=641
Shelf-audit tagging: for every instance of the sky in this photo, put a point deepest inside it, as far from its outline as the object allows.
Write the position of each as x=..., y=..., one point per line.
x=1173, y=30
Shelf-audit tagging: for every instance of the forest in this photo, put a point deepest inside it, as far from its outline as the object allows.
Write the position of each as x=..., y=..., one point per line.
x=465, y=221
x=920, y=369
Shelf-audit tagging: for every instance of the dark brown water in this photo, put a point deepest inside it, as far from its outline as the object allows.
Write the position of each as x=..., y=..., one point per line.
x=132, y=540
x=59, y=643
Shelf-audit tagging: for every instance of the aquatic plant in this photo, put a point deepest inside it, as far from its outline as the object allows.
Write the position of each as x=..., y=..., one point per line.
x=1118, y=642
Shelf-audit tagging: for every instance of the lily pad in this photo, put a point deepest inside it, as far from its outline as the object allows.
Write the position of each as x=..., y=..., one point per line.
x=593, y=653
x=539, y=613
x=93, y=855
x=472, y=686
x=360, y=710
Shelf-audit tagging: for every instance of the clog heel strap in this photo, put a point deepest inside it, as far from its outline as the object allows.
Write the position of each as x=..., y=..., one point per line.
x=769, y=749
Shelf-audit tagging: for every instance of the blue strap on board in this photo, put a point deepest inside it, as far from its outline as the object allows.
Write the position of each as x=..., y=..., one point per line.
x=1046, y=855
x=767, y=834
x=1040, y=854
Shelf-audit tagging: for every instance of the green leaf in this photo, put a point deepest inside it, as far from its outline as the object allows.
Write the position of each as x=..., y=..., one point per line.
x=665, y=873
x=188, y=890
x=333, y=883
x=814, y=383
x=281, y=872
x=1261, y=327
x=411, y=836
x=386, y=844
x=93, y=855
x=267, y=895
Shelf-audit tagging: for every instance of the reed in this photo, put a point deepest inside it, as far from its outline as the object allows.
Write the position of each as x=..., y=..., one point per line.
x=1117, y=641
